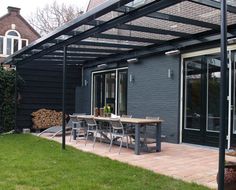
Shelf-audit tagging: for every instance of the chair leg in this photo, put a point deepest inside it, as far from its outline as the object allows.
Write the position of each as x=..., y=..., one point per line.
x=121, y=143
x=110, y=144
x=94, y=140
x=86, y=138
x=127, y=141
x=71, y=134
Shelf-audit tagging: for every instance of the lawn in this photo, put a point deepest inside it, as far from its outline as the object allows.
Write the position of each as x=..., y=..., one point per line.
x=31, y=163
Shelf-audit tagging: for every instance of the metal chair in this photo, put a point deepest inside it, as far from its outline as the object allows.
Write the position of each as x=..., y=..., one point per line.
x=92, y=128
x=76, y=124
x=118, y=132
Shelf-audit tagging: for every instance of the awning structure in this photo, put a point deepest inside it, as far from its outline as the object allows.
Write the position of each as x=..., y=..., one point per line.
x=122, y=29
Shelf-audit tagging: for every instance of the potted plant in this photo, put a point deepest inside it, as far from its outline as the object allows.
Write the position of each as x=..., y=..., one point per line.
x=107, y=110
x=230, y=173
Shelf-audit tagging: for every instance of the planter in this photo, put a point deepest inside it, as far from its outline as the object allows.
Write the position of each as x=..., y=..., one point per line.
x=230, y=176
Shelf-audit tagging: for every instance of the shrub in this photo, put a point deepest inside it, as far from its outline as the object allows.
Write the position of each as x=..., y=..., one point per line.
x=7, y=98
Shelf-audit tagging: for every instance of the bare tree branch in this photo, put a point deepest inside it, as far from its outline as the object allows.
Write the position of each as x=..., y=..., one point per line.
x=52, y=16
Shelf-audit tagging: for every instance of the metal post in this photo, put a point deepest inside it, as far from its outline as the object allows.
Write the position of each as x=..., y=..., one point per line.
x=64, y=99
x=16, y=95
x=223, y=95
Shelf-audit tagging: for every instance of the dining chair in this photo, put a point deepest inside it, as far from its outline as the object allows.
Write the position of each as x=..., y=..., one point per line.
x=76, y=125
x=129, y=128
x=118, y=132
x=92, y=128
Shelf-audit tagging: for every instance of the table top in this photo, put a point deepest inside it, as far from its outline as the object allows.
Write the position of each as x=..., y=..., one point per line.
x=124, y=119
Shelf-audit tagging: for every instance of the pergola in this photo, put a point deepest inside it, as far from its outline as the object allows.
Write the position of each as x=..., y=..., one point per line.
x=123, y=29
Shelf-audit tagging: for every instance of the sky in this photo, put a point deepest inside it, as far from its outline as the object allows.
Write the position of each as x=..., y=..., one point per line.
x=29, y=6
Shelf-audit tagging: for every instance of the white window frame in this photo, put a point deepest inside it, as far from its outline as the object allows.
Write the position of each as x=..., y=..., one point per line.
x=116, y=95
x=4, y=54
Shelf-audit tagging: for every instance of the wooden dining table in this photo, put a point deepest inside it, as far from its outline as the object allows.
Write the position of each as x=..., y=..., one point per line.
x=138, y=123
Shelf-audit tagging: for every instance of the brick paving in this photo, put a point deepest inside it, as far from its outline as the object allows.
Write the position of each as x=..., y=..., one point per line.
x=187, y=162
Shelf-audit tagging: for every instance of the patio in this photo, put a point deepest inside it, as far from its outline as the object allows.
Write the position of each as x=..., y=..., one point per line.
x=189, y=163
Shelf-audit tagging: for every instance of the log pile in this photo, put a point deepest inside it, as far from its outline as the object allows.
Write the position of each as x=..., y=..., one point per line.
x=45, y=118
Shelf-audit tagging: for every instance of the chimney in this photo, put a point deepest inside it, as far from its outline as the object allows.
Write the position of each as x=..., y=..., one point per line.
x=13, y=10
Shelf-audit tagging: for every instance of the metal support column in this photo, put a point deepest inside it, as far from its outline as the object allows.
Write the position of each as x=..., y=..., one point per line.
x=223, y=95
x=64, y=99
x=16, y=96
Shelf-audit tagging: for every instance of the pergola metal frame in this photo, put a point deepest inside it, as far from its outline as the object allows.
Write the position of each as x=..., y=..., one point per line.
x=95, y=46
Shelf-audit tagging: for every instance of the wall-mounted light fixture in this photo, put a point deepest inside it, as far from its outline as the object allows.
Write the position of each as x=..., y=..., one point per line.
x=133, y=60
x=131, y=78
x=85, y=82
x=170, y=74
x=231, y=40
x=173, y=52
x=102, y=66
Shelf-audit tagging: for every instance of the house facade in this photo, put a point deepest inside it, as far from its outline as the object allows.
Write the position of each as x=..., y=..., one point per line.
x=15, y=33
x=124, y=60
x=182, y=88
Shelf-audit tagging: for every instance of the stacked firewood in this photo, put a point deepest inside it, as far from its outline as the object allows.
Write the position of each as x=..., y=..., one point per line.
x=45, y=118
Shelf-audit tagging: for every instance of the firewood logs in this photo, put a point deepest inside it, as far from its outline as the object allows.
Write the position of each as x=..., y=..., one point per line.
x=45, y=118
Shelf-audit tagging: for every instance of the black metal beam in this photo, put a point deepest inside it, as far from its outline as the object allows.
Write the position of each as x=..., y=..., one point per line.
x=68, y=57
x=223, y=95
x=197, y=39
x=16, y=96
x=105, y=44
x=132, y=15
x=89, y=50
x=214, y=4
x=178, y=19
x=98, y=11
x=142, y=29
x=119, y=37
x=80, y=55
x=64, y=99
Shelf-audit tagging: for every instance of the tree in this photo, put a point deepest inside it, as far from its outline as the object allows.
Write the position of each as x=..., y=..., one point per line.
x=52, y=16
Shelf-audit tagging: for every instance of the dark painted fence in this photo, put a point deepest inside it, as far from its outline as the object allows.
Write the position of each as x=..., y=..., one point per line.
x=43, y=89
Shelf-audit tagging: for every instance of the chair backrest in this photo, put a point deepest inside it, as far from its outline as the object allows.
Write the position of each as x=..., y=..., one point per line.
x=116, y=124
x=90, y=120
x=73, y=118
x=126, y=116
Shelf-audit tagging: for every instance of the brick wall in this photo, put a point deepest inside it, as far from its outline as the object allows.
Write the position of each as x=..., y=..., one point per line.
x=14, y=17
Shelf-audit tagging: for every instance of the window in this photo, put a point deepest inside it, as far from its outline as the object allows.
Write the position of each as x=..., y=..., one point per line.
x=1, y=45
x=11, y=42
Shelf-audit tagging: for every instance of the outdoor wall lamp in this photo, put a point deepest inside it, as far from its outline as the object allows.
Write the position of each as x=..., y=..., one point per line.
x=170, y=74
x=102, y=66
x=133, y=60
x=131, y=78
x=173, y=52
x=85, y=82
x=231, y=41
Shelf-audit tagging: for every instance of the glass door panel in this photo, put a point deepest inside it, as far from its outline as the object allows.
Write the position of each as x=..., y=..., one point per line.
x=193, y=94
x=122, y=92
x=109, y=87
x=98, y=91
x=213, y=109
x=110, y=90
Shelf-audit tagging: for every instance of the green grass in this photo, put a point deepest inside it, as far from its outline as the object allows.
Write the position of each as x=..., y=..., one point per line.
x=31, y=163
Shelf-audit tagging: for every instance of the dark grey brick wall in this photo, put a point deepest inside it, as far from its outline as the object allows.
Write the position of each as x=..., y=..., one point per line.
x=151, y=94
x=154, y=94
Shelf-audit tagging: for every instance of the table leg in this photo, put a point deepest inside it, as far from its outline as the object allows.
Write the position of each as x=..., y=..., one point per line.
x=158, y=137
x=137, y=139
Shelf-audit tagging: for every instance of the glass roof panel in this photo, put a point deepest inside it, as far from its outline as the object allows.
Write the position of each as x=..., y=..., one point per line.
x=198, y=12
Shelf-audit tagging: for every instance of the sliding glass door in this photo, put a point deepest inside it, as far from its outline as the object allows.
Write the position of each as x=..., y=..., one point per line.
x=110, y=88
